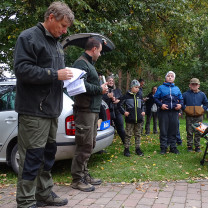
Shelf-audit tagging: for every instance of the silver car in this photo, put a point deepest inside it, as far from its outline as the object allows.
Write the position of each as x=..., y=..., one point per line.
x=65, y=133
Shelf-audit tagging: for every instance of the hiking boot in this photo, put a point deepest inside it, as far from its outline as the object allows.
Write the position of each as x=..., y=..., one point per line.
x=139, y=152
x=163, y=151
x=190, y=149
x=126, y=152
x=174, y=150
x=197, y=149
x=83, y=185
x=52, y=200
x=92, y=181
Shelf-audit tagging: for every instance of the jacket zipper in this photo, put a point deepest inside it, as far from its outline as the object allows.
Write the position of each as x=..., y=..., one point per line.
x=135, y=104
x=171, y=102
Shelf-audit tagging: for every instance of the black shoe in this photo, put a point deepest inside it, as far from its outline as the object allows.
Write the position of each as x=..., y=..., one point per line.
x=179, y=143
x=174, y=150
x=163, y=151
x=126, y=152
x=139, y=152
x=197, y=149
x=52, y=200
x=33, y=206
x=101, y=152
x=190, y=149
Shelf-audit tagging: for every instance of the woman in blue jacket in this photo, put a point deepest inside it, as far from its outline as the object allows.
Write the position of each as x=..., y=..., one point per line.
x=169, y=99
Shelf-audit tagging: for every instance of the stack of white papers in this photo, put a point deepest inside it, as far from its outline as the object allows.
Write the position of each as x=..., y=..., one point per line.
x=75, y=85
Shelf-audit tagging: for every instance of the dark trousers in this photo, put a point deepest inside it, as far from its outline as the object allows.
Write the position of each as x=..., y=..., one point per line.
x=119, y=124
x=85, y=139
x=168, y=124
x=148, y=120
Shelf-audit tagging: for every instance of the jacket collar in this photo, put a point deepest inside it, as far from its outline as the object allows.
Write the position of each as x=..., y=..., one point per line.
x=89, y=58
x=168, y=84
x=45, y=31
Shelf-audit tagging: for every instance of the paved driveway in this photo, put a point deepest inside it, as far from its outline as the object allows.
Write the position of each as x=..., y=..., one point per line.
x=142, y=195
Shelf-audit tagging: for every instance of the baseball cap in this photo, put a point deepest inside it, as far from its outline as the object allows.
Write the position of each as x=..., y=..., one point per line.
x=194, y=81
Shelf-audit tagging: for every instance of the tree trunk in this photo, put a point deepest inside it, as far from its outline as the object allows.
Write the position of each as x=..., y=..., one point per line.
x=128, y=77
x=120, y=79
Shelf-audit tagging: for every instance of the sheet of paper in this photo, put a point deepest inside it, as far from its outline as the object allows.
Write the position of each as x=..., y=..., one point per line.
x=77, y=74
x=76, y=87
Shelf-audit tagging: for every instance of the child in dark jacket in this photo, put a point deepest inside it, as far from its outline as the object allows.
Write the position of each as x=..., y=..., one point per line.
x=131, y=106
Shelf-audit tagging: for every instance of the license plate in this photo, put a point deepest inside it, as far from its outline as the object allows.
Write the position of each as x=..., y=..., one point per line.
x=104, y=125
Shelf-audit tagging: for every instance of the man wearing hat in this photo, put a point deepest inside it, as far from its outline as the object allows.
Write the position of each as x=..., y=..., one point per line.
x=195, y=104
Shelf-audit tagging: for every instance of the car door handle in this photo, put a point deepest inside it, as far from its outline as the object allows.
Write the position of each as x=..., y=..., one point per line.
x=10, y=119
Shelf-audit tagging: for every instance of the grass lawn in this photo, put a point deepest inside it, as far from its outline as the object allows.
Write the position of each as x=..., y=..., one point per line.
x=114, y=167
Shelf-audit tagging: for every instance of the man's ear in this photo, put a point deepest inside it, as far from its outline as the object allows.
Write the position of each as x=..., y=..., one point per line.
x=51, y=18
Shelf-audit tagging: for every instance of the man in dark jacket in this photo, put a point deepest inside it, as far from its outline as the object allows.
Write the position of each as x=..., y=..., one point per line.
x=195, y=104
x=39, y=68
x=86, y=114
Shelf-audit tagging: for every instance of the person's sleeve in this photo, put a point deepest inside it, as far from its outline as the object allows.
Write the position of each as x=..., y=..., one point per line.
x=25, y=64
x=157, y=97
x=180, y=97
x=184, y=101
x=205, y=103
x=91, y=89
x=121, y=104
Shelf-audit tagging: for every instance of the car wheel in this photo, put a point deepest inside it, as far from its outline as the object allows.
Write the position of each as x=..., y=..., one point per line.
x=15, y=159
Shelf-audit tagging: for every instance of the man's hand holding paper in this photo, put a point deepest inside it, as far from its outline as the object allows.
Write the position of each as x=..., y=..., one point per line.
x=75, y=85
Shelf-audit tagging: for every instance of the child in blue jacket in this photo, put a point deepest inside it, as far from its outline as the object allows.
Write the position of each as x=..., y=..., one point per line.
x=131, y=106
x=169, y=99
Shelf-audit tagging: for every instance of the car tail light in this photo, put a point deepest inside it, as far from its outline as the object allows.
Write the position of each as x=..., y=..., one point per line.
x=70, y=126
x=108, y=114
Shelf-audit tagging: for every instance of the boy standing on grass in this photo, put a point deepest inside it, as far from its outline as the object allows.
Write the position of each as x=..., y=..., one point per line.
x=169, y=99
x=195, y=104
x=131, y=106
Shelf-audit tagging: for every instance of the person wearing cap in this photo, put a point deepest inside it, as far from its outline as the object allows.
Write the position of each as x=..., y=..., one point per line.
x=195, y=104
x=131, y=106
x=86, y=114
x=169, y=100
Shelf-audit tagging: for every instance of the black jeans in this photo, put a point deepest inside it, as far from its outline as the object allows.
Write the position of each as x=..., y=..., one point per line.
x=148, y=120
x=119, y=125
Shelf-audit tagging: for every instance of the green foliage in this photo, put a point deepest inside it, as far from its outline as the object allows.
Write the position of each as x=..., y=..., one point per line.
x=151, y=37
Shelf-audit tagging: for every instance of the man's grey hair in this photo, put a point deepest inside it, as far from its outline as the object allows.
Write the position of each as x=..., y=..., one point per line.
x=60, y=10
